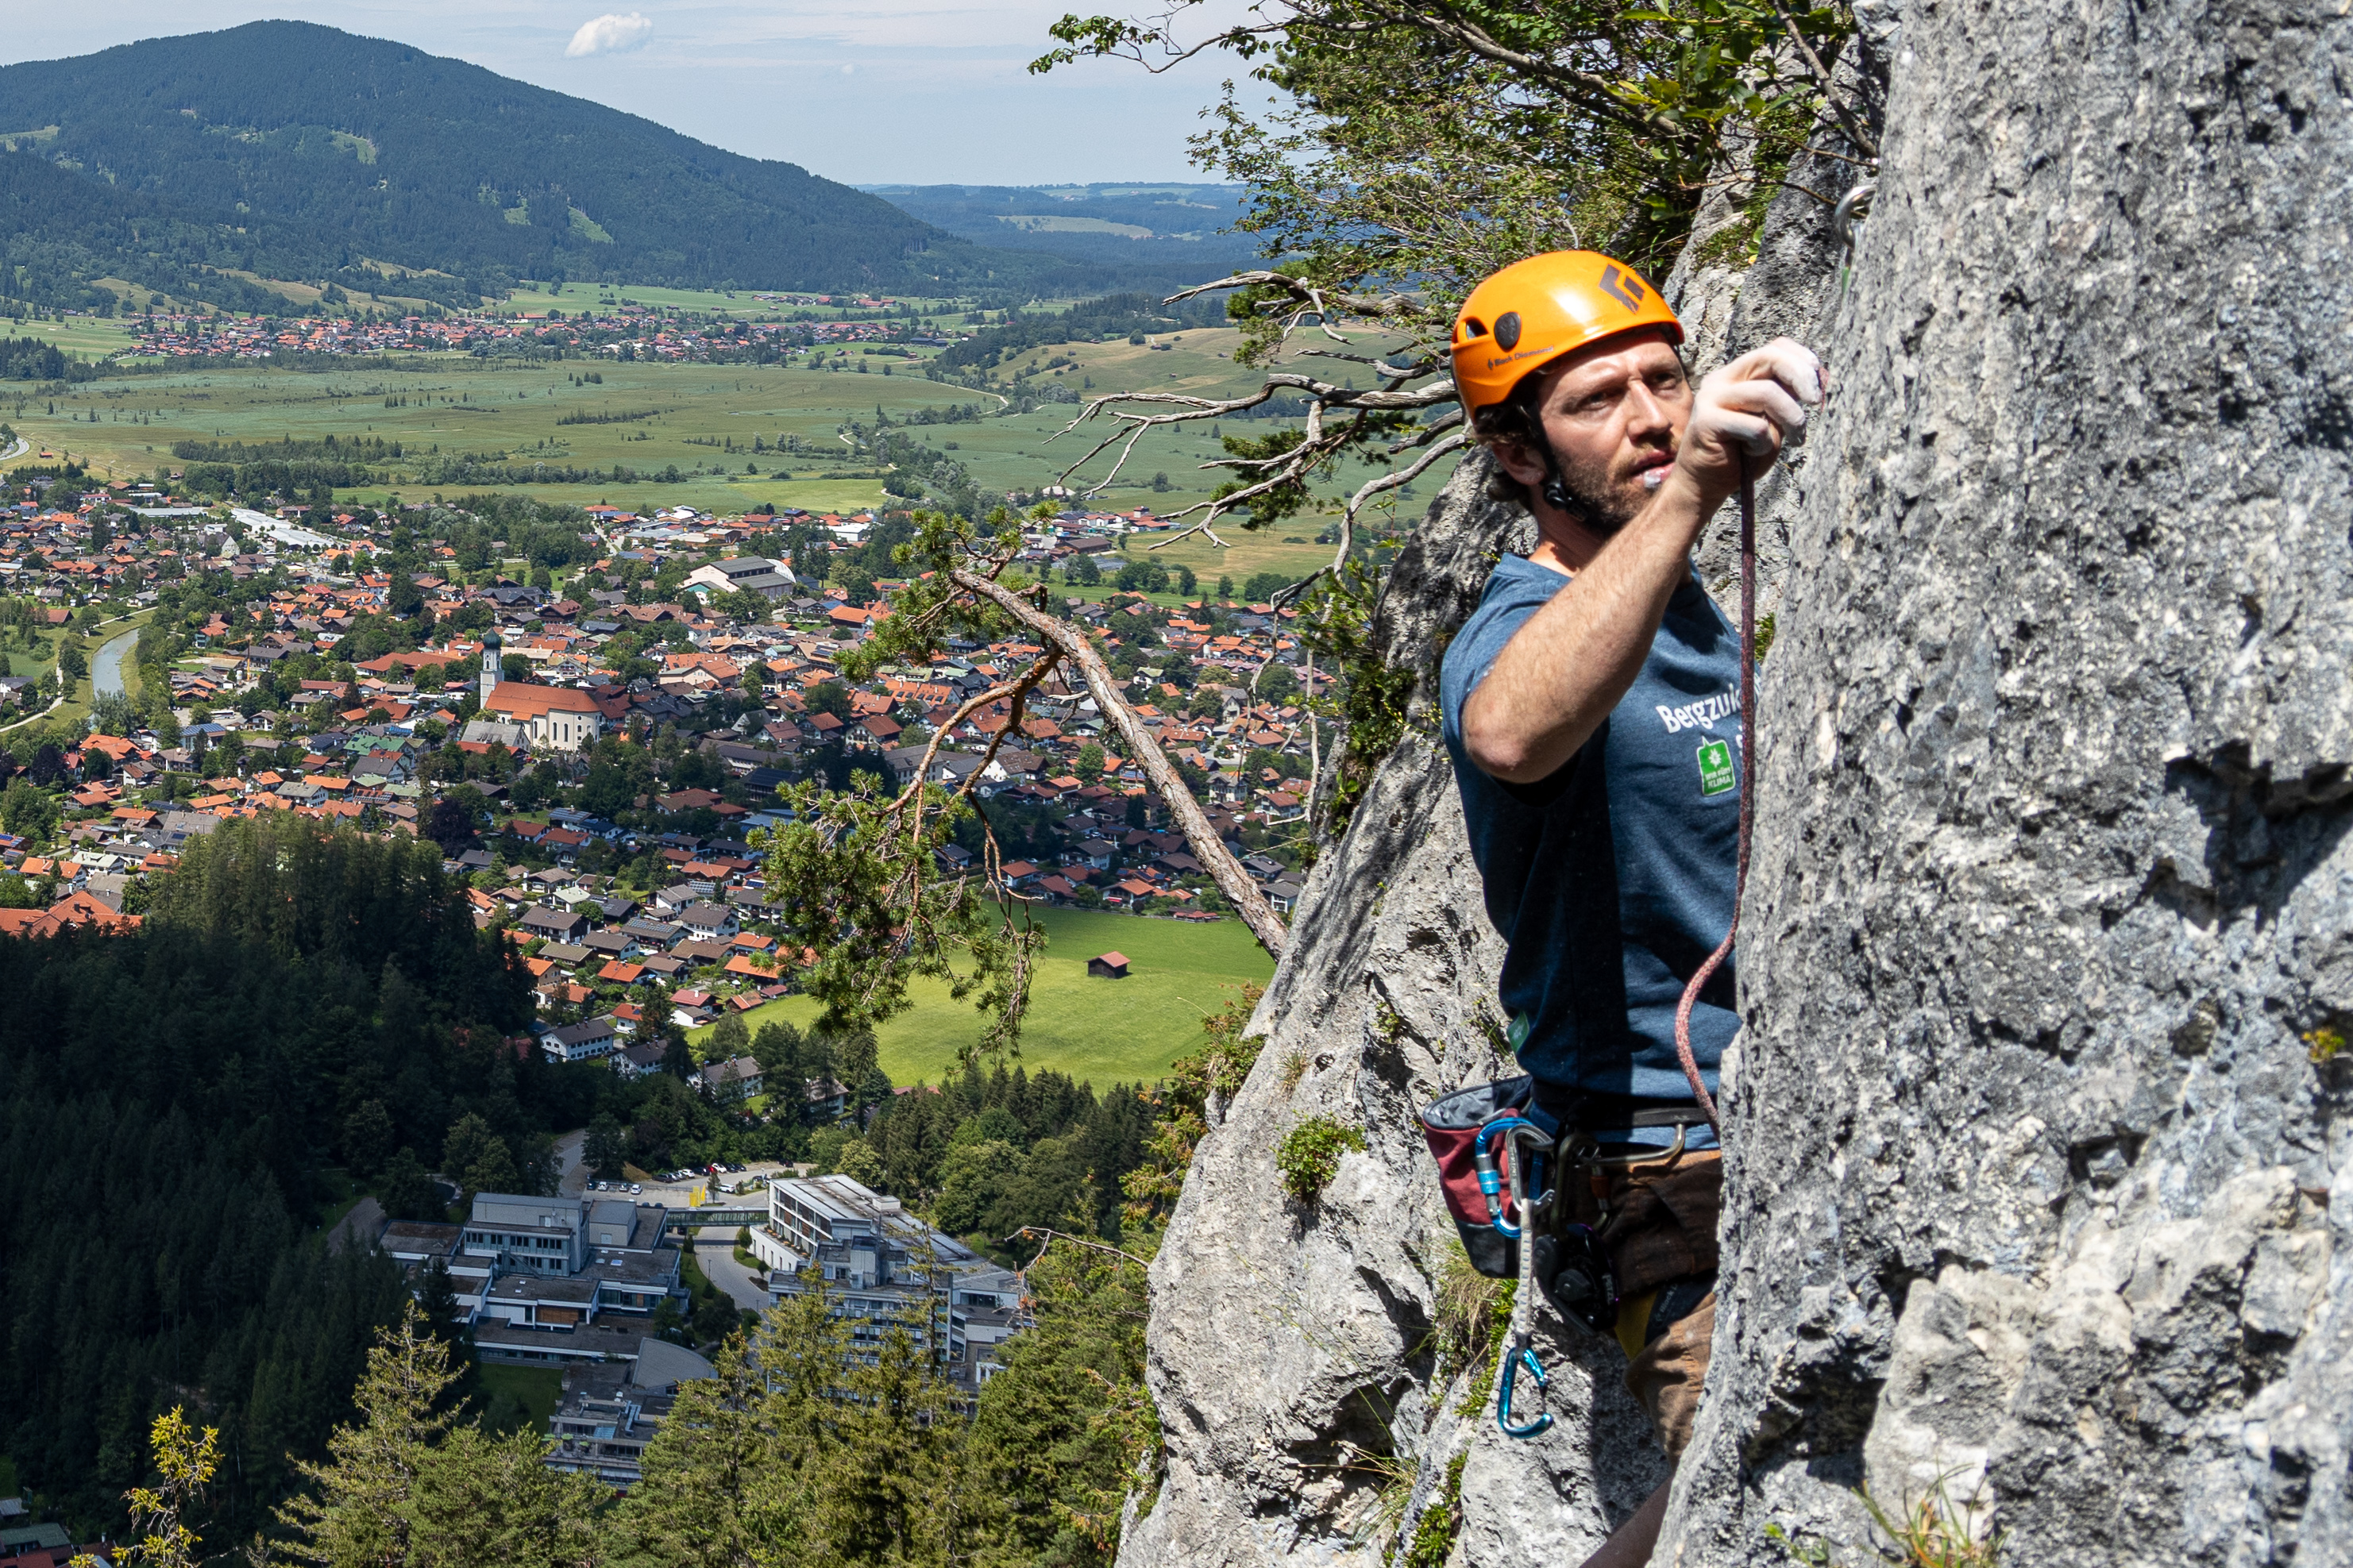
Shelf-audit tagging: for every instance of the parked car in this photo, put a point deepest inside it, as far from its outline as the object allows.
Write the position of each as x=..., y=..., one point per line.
x=636, y=1188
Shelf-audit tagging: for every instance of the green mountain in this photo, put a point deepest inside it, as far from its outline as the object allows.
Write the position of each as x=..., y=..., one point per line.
x=286, y=150
x=1172, y=226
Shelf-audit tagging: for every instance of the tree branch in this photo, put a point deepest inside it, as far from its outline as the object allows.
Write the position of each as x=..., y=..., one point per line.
x=1846, y=119
x=1047, y=1237
x=1191, y=820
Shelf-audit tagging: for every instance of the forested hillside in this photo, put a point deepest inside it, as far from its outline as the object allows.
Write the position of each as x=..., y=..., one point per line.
x=293, y=151
x=1180, y=231
x=171, y=1102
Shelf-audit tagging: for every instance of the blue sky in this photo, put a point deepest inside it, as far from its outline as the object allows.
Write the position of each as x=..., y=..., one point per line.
x=914, y=90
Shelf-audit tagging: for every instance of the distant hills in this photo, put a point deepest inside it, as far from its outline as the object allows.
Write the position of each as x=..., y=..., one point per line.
x=1163, y=227
x=283, y=149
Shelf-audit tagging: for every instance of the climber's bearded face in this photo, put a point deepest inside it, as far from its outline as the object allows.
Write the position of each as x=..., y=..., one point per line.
x=1613, y=413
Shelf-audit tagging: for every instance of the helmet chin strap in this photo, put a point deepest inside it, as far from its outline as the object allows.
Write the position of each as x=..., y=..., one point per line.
x=1554, y=490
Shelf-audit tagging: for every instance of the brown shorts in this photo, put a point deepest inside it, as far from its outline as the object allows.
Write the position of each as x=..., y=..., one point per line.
x=1658, y=1224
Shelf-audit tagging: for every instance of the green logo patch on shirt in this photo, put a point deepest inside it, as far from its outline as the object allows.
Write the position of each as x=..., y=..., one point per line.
x=1715, y=770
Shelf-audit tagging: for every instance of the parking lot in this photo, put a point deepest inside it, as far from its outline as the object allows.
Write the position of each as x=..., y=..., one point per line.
x=676, y=1188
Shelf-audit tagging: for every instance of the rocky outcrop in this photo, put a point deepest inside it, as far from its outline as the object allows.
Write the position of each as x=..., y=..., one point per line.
x=2031, y=1190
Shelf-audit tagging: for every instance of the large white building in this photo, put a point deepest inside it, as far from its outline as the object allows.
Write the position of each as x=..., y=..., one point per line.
x=549, y=718
x=551, y=1279
x=743, y=573
x=881, y=1268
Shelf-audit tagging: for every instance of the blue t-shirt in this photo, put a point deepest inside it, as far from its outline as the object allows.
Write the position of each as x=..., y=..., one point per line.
x=1612, y=881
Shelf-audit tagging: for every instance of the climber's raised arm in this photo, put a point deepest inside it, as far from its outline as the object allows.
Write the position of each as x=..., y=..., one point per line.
x=1622, y=464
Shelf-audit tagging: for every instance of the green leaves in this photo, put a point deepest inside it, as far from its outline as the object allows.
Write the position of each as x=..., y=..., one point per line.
x=1309, y=1155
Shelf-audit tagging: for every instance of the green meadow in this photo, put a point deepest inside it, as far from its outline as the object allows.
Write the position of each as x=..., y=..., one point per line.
x=1097, y=1030
x=699, y=418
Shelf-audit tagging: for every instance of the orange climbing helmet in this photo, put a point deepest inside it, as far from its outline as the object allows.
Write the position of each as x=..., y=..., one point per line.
x=1534, y=311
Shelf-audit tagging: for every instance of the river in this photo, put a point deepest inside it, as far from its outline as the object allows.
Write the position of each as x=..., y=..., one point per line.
x=106, y=675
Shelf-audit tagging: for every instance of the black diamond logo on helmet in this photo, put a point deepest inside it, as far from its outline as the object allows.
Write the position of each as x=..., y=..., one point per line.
x=1623, y=287
x=1507, y=330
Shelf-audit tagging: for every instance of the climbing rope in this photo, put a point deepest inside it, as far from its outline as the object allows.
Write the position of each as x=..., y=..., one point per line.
x=1747, y=778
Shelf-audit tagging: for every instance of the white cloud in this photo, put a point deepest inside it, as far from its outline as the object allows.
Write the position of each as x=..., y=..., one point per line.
x=609, y=32
x=848, y=70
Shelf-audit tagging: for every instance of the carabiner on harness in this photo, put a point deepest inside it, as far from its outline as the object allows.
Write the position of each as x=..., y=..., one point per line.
x=1522, y=1354
x=1490, y=1178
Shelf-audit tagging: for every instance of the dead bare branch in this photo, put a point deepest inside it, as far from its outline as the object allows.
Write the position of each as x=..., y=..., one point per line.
x=1047, y=1238
x=1822, y=75
x=1376, y=306
x=1191, y=820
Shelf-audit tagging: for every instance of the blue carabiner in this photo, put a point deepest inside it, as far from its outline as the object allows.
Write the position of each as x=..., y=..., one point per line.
x=1511, y=1363
x=1490, y=1178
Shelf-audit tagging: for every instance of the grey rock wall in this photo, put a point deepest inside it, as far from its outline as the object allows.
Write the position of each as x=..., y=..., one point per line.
x=2034, y=1190
x=2034, y=1183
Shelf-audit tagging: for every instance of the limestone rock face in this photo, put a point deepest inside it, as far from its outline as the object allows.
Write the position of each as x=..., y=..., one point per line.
x=2031, y=1167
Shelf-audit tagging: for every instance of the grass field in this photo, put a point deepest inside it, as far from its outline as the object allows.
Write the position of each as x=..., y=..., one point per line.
x=1101, y=1031
x=704, y=421
x=539, y=1388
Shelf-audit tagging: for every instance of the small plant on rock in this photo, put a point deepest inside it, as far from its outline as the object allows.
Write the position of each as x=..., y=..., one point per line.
x=1309, y=1154
x=1930, y=1531
x=1440, y=1521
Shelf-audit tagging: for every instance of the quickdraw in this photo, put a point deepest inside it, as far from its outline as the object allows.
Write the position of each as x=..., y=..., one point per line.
x=1519, y=1129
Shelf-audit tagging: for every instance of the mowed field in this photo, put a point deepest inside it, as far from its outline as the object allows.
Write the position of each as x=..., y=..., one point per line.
x=702, y=419
x=1098, y=1031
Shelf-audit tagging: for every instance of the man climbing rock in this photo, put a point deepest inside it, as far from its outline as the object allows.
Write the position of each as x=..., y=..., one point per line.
x=1591, y=705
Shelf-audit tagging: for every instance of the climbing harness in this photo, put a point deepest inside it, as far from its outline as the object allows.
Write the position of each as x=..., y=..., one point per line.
x=1747, y=797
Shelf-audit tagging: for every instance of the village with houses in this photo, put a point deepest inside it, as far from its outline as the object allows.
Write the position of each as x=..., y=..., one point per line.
x=596, y=756
x=623, y=331
x=724, y=690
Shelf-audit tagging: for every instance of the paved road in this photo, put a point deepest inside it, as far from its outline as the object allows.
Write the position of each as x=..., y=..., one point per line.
x=575, y=1177
x=715, y=1254
x=106, y=671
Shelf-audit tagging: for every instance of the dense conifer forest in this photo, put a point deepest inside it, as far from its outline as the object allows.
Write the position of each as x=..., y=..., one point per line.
x=171, y=1104
x=307, y=1015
